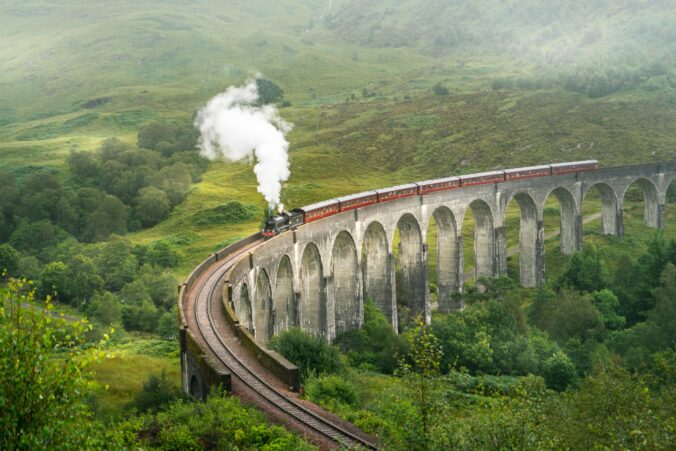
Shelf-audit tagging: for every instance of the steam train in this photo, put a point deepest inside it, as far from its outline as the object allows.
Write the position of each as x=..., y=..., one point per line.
x=299, y=216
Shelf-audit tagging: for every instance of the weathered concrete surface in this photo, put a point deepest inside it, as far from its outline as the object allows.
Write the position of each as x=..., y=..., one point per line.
x=320, y=274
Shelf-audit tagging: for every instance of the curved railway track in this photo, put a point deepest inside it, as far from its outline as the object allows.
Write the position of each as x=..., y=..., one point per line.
x=205, y=295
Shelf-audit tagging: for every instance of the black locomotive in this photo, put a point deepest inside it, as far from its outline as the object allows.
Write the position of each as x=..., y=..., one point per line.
x=282, y=222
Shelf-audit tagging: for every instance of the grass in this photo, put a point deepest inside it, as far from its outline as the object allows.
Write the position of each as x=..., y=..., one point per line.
x=120, y=376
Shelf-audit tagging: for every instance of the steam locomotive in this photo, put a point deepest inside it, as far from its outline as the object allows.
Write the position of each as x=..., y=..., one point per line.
x=299, y=216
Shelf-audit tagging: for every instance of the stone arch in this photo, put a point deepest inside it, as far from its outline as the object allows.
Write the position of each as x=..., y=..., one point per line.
x=447, y=257
x=484, y=239
x=569, y=220
x=285, y=307
x=669, y=198
x=651, y=214
x=611, y=220
x=345, y=270
x=244, y=310
x=530, y=241
x=313, y=295
x=376, y=268
x=264, y=319
x=411, y=273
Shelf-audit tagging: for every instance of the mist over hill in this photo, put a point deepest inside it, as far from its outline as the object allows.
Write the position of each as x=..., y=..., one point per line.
x=514, y=82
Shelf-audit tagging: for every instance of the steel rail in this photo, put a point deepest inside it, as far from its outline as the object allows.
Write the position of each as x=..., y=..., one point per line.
x=207, y=329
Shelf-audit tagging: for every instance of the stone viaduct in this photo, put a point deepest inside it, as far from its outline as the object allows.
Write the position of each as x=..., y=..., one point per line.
x=318, y=276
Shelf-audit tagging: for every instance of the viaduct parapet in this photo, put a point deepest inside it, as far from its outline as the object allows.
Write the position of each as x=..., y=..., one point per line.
x=318, y=276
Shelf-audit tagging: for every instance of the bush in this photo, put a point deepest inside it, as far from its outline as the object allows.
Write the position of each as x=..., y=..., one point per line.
x=559, y=372
x=9, y=260
x=375, y=345
x=219, y=423
x=329, y=390
x=232, y=212
x=268, y=92
x=313, y=355
x=157, y=392
x=152, y=206
x=168, y=325
x=440, y=90
x=44, y=377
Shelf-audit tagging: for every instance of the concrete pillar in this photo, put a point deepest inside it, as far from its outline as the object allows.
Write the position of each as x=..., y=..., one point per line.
x=360, y=295
x=392, y=276
x=660, y=223
x=460, y=263
x=449, y=272
x=426, y=307
x=500, y=259
x=330, y=311
x=579, y=234
x=540, y=253
x=619, y=219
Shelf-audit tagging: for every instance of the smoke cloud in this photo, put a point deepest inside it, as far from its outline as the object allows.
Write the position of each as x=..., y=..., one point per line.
x=233, y=126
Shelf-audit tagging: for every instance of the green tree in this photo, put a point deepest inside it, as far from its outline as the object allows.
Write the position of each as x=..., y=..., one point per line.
x=167, y=328
x=421, y=369
x=54, y=281
x=607, y=304
x=661, y=333
x=585, y=271
x=110, y=217
x=116, y=262
x=82, y=279
x=153, y=133
x=268, y=92
x=106, y=308
x=160, y=285
x=85, y=165
x=111, y=148
x=152, y=206
x=142, y=316
x=559, y=372
x=174, y=180
x=9, y=260
x=34, y=237
x=162, y=255
x=571, y=315
x=375, y=344
x=44, y=378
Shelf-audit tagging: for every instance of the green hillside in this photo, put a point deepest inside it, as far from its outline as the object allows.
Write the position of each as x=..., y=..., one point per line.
x=380, y=93
x=526, y=83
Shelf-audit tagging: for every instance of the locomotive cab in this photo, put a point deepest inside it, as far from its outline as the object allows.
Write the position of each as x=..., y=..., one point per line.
x=282, y=222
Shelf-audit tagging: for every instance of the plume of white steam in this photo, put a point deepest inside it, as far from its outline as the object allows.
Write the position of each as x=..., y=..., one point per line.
x=234, y=127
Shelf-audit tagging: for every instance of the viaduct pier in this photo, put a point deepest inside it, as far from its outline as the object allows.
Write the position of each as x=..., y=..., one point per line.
x=318, y=276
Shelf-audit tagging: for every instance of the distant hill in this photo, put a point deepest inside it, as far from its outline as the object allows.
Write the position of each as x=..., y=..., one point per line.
x=516, y=82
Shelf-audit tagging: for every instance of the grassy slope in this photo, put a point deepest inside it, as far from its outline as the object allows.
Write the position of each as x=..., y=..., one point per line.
x=73, y=74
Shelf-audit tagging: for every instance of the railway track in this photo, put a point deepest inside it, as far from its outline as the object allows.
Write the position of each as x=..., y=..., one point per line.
x=205, y=295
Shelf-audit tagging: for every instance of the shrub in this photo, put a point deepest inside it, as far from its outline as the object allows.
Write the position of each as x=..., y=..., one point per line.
x=9, y=260
x=218, y=423
x=440, y=90
x=375, y=345
x=44, y=377
x=313, y=355
x=559, y=372
x=229, y=213
x=330, y=389
x=157, y=392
